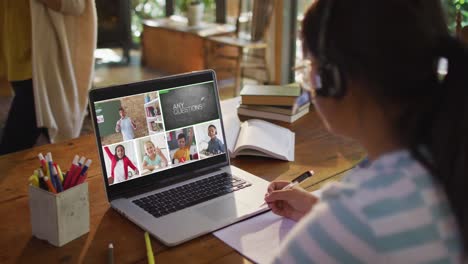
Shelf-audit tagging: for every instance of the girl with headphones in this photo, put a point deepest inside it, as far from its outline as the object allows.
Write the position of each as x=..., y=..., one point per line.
x=389, y=75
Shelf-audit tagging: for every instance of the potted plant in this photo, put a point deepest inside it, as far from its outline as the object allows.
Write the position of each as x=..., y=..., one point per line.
x=195, y=10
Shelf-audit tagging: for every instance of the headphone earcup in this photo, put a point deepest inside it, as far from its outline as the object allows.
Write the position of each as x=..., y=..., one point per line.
x=331, y=82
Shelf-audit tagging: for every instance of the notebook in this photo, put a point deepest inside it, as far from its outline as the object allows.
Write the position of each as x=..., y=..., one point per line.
x=164, y=159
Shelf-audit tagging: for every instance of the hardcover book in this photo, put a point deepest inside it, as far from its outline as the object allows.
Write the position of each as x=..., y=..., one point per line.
x=273, y=116
x=284, y=110
x=285, y=95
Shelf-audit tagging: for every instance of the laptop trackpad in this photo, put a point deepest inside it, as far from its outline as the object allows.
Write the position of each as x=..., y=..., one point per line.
x=223, y=209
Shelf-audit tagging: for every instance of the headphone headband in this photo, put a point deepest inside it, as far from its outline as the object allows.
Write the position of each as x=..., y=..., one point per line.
x=323, y=31
x=331, y=78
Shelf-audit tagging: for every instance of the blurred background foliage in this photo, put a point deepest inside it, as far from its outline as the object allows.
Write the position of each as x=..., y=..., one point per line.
x=182, y=4
x=147, y=9
x=451, y=8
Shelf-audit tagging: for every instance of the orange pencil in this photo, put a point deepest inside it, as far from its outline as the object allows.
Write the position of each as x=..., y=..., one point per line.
x=49, y=184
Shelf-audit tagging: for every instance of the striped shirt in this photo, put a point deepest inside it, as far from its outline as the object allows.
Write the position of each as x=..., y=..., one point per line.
x=389, y=212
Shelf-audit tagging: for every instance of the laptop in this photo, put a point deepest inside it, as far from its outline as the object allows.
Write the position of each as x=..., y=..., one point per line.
x=165, y=165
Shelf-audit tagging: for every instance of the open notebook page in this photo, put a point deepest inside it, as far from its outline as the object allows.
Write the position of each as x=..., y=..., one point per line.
x=270, y=138
x=259, y=237
x=231, y=121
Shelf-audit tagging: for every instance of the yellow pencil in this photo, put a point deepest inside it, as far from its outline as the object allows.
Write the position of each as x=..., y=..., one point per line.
x=149, y=249
x=59, y=171
x=34, y=180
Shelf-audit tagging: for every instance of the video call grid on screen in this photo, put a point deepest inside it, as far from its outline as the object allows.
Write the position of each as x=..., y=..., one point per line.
x=154, y=120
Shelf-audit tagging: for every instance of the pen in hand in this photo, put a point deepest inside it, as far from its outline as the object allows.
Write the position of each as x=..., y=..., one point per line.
x=296, y=181
x=110, y=252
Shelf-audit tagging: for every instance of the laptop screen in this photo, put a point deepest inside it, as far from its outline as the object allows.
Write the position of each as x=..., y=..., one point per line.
x=155, y=130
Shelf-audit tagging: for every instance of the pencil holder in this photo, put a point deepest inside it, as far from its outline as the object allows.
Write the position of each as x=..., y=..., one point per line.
x=59, y=218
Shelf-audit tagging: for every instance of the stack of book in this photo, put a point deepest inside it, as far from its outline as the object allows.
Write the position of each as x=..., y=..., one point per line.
x=275, y=102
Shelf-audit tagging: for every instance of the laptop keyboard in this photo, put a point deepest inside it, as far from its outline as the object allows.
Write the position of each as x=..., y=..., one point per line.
x=163, y=203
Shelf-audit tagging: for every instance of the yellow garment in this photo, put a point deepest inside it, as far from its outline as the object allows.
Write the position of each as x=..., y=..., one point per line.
x=182, y=152
x=15, y=40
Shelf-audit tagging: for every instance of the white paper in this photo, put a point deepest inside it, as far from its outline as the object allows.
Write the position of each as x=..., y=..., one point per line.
x=258, y=238
x=255, y=137
x=261, y=135
x=231, y=121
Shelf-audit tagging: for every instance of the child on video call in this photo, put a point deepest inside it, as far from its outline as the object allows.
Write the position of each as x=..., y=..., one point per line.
x=215, y=146
x=154, y=157
x=125, y=125
x=119, y=164
x=183, y=153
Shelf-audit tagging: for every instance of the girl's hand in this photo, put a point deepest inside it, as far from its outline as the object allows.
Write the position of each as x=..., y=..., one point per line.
x=293, y=203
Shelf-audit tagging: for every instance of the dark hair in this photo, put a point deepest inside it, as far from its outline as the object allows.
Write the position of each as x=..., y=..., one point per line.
x=394, y=47
x=213, y=126
x=121, y=109
x=181, y=135
x=115, y=152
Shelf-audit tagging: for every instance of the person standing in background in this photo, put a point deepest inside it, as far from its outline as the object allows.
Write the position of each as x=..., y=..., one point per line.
x=46, y=53
x=15, y=66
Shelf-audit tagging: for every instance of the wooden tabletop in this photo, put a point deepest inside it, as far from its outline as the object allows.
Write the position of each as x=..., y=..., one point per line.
x=316, y=149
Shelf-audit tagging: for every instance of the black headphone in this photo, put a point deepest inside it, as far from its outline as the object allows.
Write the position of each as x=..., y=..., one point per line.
x=330, y=80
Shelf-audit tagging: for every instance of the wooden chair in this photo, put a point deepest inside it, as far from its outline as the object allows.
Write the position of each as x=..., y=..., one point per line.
x=243, y=50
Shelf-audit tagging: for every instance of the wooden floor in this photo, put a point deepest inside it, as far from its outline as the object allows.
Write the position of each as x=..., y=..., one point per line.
x=109, y=73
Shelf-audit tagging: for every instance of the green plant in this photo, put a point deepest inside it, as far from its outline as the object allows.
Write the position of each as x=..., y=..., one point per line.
x=183, y=4
x=148, y=9
x=451, y=8
x=144, y=9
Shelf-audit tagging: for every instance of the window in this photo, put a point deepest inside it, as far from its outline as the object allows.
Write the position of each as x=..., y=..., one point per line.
x=302, y=6
x=145, y=9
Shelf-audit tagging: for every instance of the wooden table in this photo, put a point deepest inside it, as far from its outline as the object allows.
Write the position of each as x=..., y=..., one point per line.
x=170, y=46
x=316, y=149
